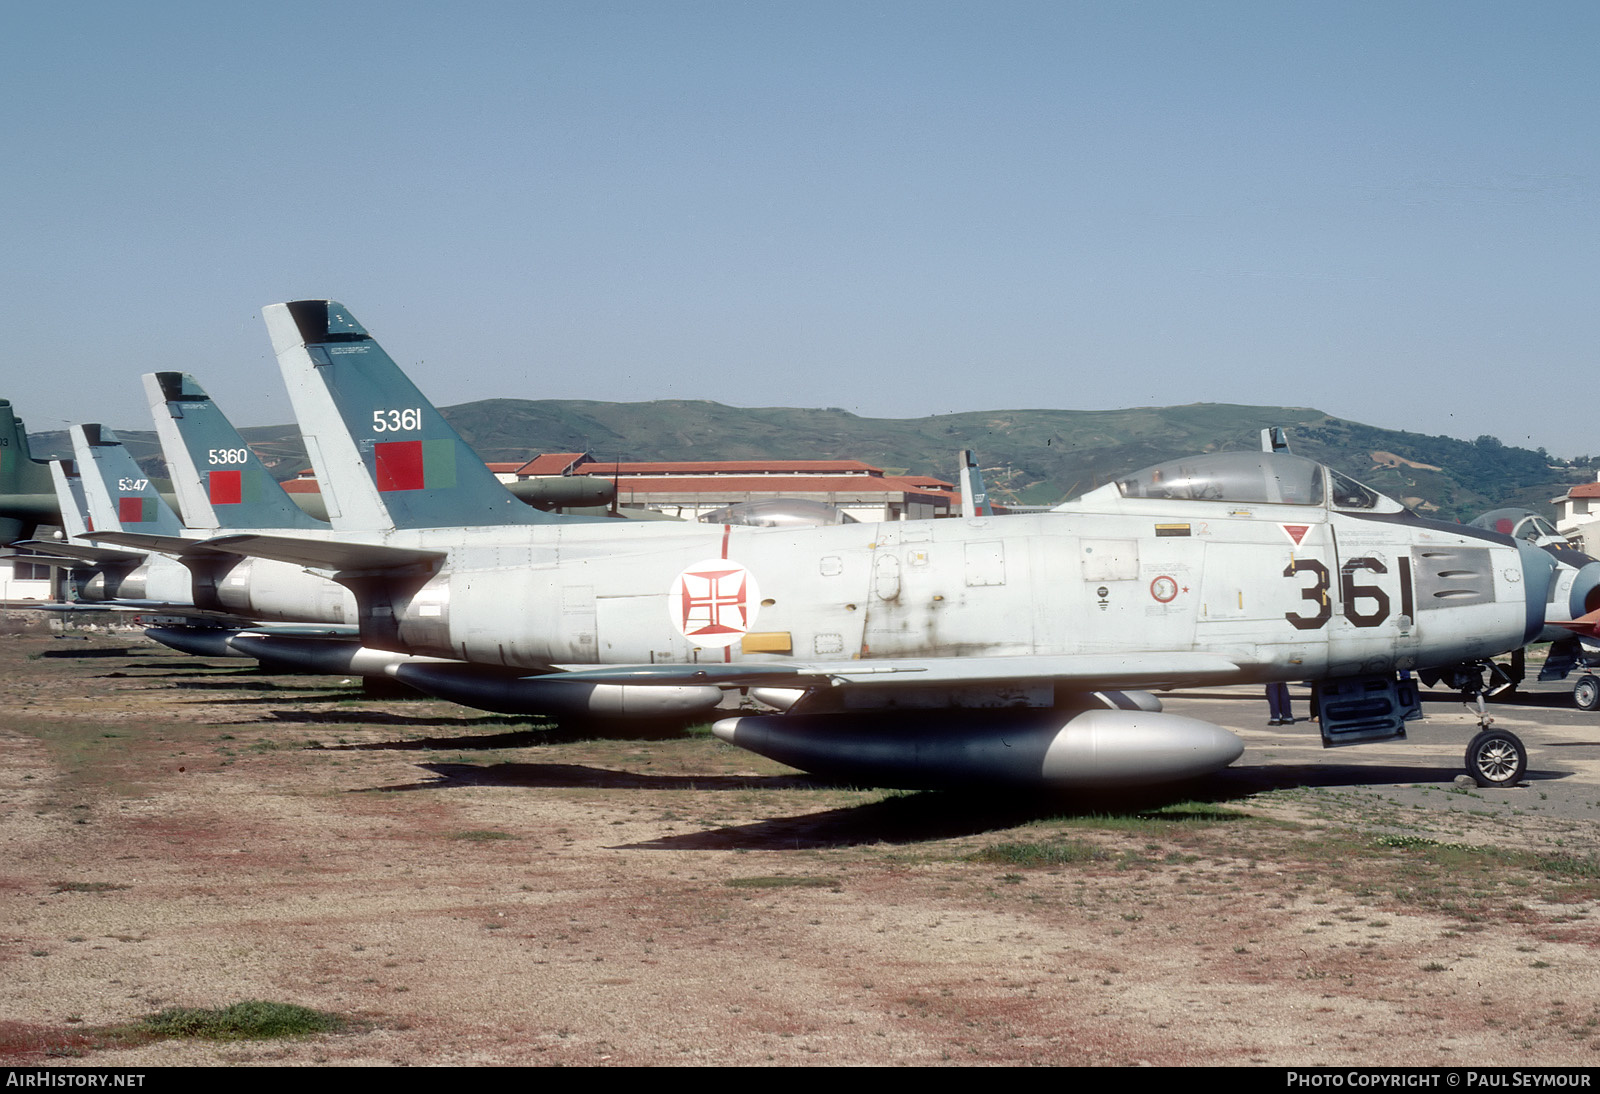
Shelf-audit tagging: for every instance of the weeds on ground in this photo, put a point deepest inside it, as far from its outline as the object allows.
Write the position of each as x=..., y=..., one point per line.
x=800, y=881
x=254, y=1019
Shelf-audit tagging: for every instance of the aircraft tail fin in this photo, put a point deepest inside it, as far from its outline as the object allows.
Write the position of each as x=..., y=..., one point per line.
x=20, y=473
x=26, y=493
x=70, y=498
x=120, y=496
x=974, y=496
x=220, y=482
x=384, y=455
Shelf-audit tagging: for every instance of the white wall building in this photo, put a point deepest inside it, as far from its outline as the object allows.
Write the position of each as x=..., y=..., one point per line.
x=1577, y=512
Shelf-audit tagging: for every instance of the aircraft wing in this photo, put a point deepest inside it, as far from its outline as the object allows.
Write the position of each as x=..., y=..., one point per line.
x=1091, y=672
x=145, y=541
x=315, y=554
x=79, y=552
x=1585, y=626
x=135, y=607
x=55, y=562
x=324, y=554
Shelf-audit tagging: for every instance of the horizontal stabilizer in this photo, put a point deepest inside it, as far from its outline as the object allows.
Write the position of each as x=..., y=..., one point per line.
x=322, y=554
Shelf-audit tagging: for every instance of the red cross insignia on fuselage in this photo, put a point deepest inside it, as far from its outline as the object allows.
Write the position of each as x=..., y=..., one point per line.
x=714, y=602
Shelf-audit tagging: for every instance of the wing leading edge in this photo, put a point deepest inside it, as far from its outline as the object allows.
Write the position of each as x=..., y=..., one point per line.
x=1091, y=671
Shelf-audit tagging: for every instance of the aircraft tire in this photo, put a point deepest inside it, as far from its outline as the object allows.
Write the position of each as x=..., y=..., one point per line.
x=1586, y=692
x=1496, y=758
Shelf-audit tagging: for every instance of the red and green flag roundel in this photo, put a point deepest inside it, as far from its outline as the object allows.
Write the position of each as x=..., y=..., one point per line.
x=232, y=487
x=225, y=488
x=414, y=465
x=135, y=510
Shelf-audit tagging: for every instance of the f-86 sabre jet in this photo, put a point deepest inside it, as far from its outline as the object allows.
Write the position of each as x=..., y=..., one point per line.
x=225, y=488
x=928, y=653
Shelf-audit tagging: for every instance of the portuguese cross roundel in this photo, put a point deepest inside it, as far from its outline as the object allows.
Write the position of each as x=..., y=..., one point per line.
x=713, y=603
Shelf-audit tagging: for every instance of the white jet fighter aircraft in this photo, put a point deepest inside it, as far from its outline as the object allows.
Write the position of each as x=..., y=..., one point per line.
x=928, y=652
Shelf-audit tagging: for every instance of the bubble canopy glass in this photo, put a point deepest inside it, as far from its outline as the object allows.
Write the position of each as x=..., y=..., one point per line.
x=1253, y=478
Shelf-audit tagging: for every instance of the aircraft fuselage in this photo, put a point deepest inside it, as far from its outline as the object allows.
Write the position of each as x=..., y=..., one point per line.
x=1286, y=592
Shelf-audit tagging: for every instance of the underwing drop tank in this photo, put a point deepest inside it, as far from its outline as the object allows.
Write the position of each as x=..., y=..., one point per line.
x=1031, y=749
x=507, y=693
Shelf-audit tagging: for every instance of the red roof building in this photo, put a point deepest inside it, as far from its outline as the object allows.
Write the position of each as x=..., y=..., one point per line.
x=689, y=488
x=1576, y=513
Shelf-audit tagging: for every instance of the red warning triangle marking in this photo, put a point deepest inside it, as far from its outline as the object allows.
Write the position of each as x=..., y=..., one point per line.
x=1295, y=532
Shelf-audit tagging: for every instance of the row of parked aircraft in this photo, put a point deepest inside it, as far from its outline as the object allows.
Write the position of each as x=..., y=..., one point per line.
x=1019, y=650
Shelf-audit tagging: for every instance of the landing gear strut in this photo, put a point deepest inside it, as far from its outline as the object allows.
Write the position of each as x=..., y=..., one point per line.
x=1496, y=757
x=1503, y=679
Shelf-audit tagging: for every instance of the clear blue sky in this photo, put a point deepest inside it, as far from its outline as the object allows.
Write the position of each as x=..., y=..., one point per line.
x=1386, y=210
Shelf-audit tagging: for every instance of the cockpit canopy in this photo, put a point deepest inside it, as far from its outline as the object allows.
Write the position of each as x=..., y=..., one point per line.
x=1253, y=478
x=1520, y=524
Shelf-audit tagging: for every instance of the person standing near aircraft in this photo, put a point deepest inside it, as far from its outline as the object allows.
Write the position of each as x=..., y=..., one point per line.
x=1280, y=707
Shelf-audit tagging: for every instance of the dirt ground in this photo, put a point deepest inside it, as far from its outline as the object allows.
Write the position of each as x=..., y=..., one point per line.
x=468, y=889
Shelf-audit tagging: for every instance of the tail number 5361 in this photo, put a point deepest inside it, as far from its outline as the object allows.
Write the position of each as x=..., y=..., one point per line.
x=396, y=421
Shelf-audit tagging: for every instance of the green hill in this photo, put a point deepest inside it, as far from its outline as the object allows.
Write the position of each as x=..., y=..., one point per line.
x=1036, y=457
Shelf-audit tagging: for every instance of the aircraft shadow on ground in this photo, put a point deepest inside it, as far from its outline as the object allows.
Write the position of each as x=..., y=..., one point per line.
x=203, y=675
x=916, y=817
x=278, y=699
x=1560, y=700
x=571, y=776
x=1548, y=700
x=514, y=734
x=907, y=819
x=935, y=815
x=118, y=651
x=516, y=731
x=1242, y=782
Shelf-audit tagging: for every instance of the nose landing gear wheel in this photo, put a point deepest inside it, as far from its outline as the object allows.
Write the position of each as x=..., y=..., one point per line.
x=1586, y=692
x=1496, y=758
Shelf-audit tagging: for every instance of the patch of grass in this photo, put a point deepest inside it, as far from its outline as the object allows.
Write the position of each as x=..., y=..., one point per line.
x=1159, y=820
x=254, y=1019
x=797, y=881
x=1574, y=866
x=85, y=886
x=1409, y=842
x=1038, y=854
x=481, y=835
